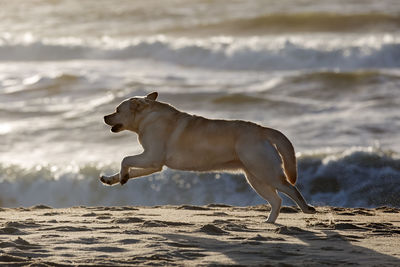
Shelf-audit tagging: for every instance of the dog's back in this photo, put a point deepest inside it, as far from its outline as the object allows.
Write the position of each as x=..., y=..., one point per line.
x=202, y=144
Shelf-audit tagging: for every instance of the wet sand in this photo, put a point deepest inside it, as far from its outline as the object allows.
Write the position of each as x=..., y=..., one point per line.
x=198, y=235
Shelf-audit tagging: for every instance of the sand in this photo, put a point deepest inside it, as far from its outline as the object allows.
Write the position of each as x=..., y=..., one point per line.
x=198, y=235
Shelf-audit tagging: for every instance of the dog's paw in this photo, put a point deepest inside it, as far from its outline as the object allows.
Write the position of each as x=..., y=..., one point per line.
x=124, y=179
x=104, y=180
x=310, y=210
x=109, y=180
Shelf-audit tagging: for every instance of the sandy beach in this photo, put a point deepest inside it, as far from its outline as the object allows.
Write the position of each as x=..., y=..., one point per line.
x=198, y=235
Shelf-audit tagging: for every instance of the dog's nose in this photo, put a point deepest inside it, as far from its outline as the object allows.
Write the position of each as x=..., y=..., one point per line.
x=106, y=118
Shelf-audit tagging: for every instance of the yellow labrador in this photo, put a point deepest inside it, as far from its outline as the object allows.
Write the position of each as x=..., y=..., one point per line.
x=182, y=141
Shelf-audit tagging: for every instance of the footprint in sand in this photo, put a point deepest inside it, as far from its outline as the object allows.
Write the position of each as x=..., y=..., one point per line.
x=20, y=248
x=52, y=213
x=90, y=214
x=288, y=209
x=128, y=241
x=153, y=224
x=106, y=249
x=157, y=223
x=11, y=259
x=259, y=237
x=348, y=226
x=11, y=231
x=191, y=207
x=230, y=226
x=382, y=228
x=66, y=229
x=169, y=223
x=117, y=208
x=26, y=224
x=290, y=230
x=212, y=230
x=103, y=217
x=385, y=209
x=128, y=220
x=40, y=207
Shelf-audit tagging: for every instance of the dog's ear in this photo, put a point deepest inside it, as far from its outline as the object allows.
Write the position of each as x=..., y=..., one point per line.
x=152, y=96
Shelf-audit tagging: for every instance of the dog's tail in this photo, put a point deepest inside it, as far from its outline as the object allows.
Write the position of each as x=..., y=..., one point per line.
x=286, y=151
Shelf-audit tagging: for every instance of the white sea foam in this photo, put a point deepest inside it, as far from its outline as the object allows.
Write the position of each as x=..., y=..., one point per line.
x=366, y=177
x=230, y=53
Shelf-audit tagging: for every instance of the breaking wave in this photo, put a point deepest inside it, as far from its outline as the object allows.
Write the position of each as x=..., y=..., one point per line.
x=357, y=177
x=228, y=53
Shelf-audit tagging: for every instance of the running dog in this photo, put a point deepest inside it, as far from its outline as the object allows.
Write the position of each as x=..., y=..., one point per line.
x=188, y=142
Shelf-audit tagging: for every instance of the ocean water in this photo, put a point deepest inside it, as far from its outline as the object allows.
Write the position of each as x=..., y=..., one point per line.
x=325, y=73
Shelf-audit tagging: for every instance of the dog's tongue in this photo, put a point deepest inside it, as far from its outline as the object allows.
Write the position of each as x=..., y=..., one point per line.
x=116, y=128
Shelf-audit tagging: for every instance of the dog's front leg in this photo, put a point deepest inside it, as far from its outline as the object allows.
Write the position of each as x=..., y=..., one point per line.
x=144, y=163
x=110, y=180
x=133, y=173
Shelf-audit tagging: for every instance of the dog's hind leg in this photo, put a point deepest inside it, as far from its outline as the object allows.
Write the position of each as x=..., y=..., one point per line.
x=263, y=167
x=268, y=193
x=265, y=164
x=295, y=195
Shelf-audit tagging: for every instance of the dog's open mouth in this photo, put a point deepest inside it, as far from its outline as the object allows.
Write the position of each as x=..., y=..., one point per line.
x=116, y=128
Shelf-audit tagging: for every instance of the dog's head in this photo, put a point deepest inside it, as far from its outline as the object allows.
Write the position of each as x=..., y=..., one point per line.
x=124, y=116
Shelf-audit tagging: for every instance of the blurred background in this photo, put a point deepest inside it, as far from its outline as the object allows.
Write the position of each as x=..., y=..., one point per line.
x=324, y=72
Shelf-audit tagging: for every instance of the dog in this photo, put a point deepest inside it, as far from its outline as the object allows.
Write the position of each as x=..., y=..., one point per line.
x=188, y=142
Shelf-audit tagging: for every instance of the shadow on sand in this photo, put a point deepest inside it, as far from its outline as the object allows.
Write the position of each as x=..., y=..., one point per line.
x=278, y=247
